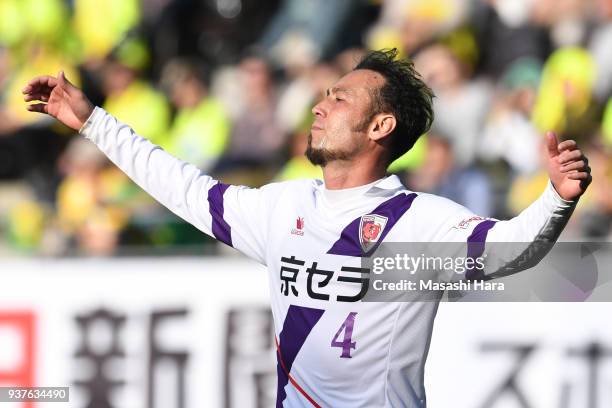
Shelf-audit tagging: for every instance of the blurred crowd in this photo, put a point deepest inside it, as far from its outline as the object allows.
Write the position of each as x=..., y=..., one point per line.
x=229, y=85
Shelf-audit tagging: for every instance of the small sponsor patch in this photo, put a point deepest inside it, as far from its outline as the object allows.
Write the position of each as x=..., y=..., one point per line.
x=299, y=227
x=464, y=224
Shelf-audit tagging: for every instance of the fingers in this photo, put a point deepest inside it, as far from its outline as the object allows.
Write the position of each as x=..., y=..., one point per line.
x=582, y=175
x=39, y=89
x=44, y=82
x=568, y=164
x=570, y=156
x=61, y=79
x=552, y=144
x=576, y=165
x=36, y=97
x=43, y=85
x=566, y=150
x=567, y=145
x=584, y=183
x=38, y=107
x=64, y=83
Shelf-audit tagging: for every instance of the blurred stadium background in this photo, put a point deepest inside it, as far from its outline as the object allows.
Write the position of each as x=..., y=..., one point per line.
x=104, y=290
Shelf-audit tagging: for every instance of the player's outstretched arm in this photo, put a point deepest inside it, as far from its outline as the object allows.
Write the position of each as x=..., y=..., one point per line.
x=167, y=179
x=544, y=220
x=541, y=224
x=234, y=215
x=533, y=231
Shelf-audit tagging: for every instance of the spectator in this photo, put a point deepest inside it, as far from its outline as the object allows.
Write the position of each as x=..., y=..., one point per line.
x=132, y=99
x=461, y=105
x=596, y=216
x=440, y=174
x=314, y=26
x=101, y=25
x=599, y=47
x=565, y=100
x=508, y=134
x=411, y=24
x=200, y=129
x=506, y=32
x=257, y=139
x=607, y=125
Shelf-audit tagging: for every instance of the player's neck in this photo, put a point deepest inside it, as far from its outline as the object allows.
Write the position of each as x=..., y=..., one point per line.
x=349, y=174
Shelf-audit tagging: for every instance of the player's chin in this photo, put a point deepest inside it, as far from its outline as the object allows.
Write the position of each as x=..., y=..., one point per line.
x=318, y=157
x=315, y=139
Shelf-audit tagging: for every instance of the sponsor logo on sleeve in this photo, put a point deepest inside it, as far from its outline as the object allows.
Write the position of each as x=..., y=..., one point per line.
x=464, y=224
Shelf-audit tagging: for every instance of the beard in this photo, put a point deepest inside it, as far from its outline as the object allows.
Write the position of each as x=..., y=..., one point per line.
x=322, y=156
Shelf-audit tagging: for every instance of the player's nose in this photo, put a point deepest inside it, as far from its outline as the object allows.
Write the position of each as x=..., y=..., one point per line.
x=319, y=109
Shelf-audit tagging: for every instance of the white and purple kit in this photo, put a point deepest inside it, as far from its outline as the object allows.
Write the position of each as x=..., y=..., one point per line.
x=333, y=349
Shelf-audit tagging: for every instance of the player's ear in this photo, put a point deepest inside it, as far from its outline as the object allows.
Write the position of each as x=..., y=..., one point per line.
x=382, y=125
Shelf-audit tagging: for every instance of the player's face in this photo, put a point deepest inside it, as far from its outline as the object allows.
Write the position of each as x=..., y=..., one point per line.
x=342, y=118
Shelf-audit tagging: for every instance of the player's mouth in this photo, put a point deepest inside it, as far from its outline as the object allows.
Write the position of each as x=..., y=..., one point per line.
x=316, y=127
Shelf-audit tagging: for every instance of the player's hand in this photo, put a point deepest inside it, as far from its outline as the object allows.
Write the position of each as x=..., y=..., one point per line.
x=568, y=168
x=59, y=98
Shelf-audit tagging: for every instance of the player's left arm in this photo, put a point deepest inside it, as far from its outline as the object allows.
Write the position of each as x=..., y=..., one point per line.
x=510, y=246
x=539, y=225
x=570, y=175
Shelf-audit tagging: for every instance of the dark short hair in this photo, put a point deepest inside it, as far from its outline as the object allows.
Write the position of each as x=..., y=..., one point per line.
x=404, y=95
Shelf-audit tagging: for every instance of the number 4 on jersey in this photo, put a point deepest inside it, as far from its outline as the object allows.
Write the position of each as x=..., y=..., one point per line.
x=346, y=344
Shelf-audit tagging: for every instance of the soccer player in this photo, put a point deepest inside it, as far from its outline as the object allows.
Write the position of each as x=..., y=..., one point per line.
x=334, y=350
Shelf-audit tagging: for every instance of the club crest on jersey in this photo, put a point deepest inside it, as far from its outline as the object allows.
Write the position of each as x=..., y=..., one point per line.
x=299, y=227
x=371, y=227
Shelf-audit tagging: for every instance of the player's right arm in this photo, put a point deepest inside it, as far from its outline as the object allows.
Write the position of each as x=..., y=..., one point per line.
x=233, y=214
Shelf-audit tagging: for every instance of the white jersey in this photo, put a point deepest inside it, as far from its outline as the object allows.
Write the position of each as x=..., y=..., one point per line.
x=333, y=349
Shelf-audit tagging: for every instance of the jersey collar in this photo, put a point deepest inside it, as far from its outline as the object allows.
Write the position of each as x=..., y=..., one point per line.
x=386, y=186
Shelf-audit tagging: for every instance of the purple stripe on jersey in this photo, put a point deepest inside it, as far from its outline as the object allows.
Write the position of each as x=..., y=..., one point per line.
x=476, y=246
x=393, y=209
x=296, y=328
x=220, y=228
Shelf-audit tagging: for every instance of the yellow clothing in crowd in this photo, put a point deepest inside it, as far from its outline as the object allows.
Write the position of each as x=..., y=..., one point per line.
x=199, y=135
x=145, y=109
x=115, y=18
